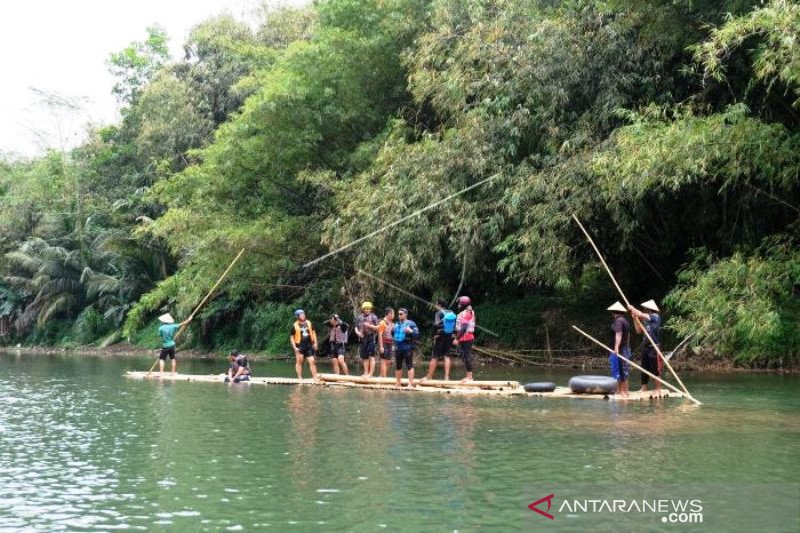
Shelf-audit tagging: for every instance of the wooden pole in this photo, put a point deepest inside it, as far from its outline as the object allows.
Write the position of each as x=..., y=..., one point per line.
x=200, y=305
x=668, y=385
x=627, y=304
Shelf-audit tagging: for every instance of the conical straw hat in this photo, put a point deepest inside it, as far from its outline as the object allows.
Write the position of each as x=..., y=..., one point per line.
x=651, y=304
x=616, y=306
x=166, y=318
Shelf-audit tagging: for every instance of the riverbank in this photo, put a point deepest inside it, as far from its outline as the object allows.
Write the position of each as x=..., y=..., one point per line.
x=684, y=362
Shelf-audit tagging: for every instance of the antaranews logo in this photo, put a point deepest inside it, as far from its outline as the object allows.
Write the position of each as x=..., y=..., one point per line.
x=672, y=511
x=549, y=500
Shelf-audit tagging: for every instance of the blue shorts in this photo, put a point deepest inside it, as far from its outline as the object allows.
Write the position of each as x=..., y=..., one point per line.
x=619, y=368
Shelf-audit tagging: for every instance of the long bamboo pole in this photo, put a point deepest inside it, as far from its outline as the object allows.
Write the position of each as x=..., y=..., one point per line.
x=627, y=304
x=666, y=384
x=200, y=305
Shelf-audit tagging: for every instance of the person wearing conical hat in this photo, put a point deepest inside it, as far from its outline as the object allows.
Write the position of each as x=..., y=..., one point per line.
x=167, y=332
x=651, y=319
x=622, y=346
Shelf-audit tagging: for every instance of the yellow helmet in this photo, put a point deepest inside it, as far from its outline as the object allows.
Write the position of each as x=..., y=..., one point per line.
x=366, y=306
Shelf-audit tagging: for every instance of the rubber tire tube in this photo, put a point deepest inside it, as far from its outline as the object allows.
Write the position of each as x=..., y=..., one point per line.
x=539, y=386
x=593, y=384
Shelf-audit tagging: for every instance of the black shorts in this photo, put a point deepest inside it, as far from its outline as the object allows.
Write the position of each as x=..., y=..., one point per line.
x=442, y=344
x=649, y=363
x=306, y=350
x=366, y=349
x=402, y=357
x=167, y=352
x=388, y=352
x=338, y=350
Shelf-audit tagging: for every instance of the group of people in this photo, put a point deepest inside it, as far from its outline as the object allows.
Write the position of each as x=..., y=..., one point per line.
x=393, y=336
x=650, y=319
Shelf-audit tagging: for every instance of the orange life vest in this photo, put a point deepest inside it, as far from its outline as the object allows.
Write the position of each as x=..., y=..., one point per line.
x=311, y=337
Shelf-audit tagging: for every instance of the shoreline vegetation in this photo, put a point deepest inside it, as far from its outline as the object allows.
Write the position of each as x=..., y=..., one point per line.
x=407, y=151
x=697, y=363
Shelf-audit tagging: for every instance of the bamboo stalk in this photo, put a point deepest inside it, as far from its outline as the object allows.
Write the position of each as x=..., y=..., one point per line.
x=679, y=347
x=666, y=384
x=628, y=304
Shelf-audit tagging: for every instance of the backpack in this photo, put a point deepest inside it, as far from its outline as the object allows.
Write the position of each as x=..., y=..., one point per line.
x=449, y=322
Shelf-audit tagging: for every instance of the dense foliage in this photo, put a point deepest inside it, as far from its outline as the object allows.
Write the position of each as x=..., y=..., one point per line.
x=671, y=128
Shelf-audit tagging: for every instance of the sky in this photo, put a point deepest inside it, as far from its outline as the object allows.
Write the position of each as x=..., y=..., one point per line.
x=61, y=46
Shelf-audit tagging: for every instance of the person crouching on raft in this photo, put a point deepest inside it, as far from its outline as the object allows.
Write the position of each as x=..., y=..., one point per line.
x=304, y=343
x=239, y=370
x=622, y=341
x=167, y=332
x=650, y=359
x=366, y=327
x=385, y=341
x=465, y=333
x=444, y=323
x=403, y=333
x=337, y=337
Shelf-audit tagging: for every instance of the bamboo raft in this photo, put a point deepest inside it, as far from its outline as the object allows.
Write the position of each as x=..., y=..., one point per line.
x=435, y=386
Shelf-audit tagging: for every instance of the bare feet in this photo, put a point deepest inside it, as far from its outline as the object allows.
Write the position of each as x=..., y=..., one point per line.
x=398, y=385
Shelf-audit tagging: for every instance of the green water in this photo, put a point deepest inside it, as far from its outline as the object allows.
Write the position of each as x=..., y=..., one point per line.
x=83, y=448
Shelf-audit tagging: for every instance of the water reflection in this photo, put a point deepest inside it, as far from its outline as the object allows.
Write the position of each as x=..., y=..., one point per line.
x=82, y=448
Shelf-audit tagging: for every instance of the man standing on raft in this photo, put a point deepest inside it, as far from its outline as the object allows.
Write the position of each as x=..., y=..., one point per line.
x=385, y=340
x=304, y=343
x=444, y=324
x=404, y=332
x=622, y=341
x=337, y=337
x=167, y=332
x=650, y=360
x=366, y=329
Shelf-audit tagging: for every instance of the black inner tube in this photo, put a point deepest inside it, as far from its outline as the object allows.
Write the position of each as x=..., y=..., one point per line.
x=593, y=384
x=539, y=386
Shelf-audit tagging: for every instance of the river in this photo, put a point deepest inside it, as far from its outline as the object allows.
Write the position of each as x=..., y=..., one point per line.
x=83, y=448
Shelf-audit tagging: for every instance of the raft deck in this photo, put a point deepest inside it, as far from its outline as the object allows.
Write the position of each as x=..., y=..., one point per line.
x=455, y=388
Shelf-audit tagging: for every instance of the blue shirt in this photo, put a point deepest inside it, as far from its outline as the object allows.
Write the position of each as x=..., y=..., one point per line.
x=167, y=333
x=653, y=326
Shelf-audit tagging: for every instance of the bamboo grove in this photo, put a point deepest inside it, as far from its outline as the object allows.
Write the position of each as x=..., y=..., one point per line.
x=671, y=128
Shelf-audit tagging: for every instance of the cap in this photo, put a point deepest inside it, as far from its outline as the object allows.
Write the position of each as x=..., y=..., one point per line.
x=166, y=318
x=299, y=312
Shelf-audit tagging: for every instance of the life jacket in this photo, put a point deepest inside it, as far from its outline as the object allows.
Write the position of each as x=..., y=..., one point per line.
x=339, y=333
x=367, y=334
x=311, y=336
x=466, y=319
x=386, y=330
x=449, y=322
x=399, y=332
